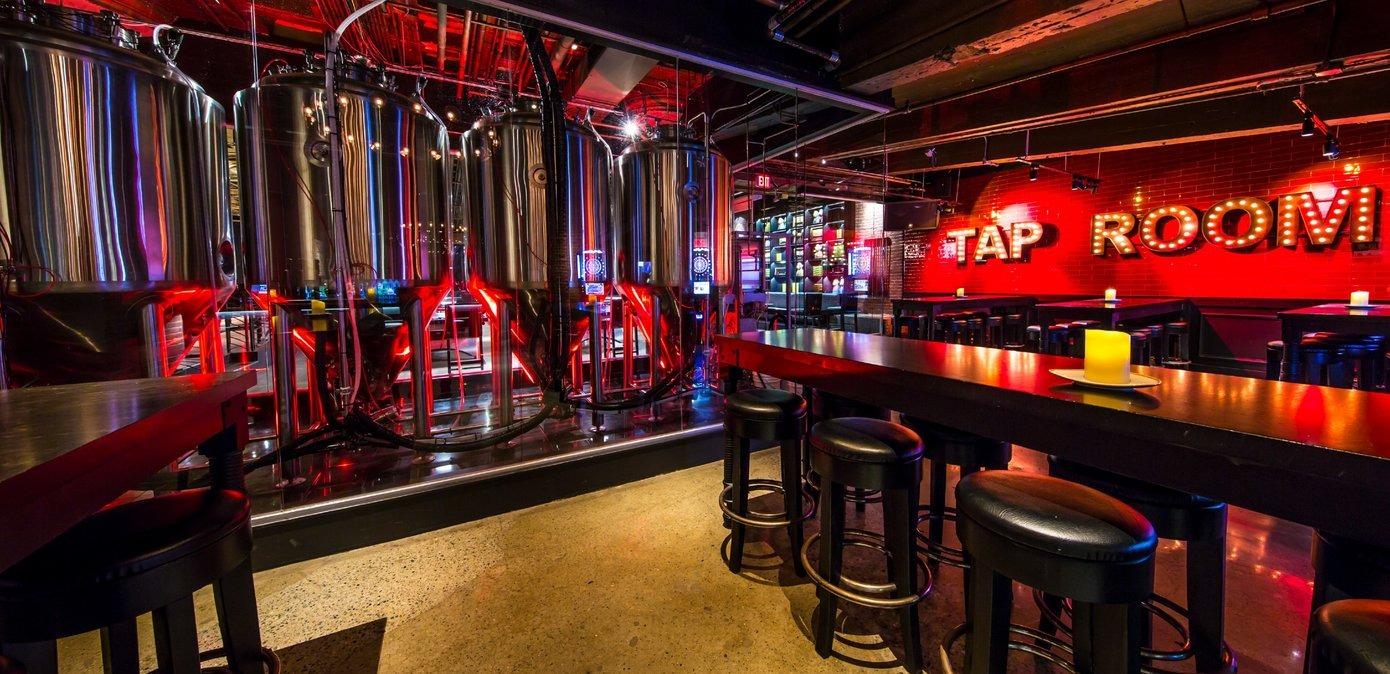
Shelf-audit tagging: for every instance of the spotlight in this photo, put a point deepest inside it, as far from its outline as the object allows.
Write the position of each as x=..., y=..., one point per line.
x=1309, y=127
x=632, y=128
x=1331, y=148
x=1032, y=171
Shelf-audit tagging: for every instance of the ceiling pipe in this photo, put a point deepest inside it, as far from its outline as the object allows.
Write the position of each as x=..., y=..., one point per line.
x=787, y=18
x=441, y=16
x=463, y=52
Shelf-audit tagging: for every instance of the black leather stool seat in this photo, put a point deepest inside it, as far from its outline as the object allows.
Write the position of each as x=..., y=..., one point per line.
x=765, y=403
x=1351, y=636
x=126, y=560
x=958, y=448
x=866, y=440
x=1055, y=517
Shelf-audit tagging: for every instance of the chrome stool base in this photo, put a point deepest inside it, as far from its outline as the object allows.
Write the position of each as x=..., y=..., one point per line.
x=1042, y=645
x=938, y=552
x=764, y=520
x=872, y=595
x=1158, y=606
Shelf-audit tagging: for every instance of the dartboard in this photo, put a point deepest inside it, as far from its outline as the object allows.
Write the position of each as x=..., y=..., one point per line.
x=700, y=265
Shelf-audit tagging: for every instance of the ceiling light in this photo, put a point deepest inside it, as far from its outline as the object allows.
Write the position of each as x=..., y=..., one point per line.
x=1331, y=148
x=1032, y=172
x=632, y=128
x=1309, y=128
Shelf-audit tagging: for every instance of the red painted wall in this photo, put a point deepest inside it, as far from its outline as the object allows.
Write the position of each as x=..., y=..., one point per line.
x=1193, y=174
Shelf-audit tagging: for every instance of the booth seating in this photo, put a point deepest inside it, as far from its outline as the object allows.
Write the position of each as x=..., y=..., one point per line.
x=868, y=454
x=1201, y=524
x=771, y=415
x=1351, y=636
x=146, y=556
x=1064, y=539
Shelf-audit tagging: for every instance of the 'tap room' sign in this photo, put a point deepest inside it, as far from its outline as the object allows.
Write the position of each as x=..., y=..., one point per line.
x=1242, y=223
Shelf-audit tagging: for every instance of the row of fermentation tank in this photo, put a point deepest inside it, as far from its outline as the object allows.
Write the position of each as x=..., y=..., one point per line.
x=122, y=242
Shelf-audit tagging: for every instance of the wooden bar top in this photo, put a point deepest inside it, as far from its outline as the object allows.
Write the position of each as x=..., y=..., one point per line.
x=67, y=451
x=1311, y=454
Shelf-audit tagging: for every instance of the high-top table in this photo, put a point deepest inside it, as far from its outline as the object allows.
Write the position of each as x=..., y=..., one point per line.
x=1111, y=314
x=1331, y=318
x=1311, y=454
x=935, y=305
x=67, y=451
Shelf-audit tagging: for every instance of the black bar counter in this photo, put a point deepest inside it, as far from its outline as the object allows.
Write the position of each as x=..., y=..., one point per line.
x=1315, y=455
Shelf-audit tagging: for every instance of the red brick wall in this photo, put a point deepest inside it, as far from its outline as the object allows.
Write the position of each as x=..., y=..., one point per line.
x=1192, y=174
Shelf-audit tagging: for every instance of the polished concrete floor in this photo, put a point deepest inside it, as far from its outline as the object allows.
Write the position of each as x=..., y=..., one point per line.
x=631, y=579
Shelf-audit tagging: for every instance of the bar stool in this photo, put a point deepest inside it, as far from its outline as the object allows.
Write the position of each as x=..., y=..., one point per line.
x=1015, y=332
x=960, y=328
x=1323, y=364
x=1176, y=353
x=1351, y=636
x=1139, y=347
x=771, y=415
x=830, y=406
x=146, y=556
x=1064, y=539
x=994, y=331
x=1057, y=336
x=1076, y=337
x=974, y=331
x=863, y=453
x=944, y=446
x=1345, y=568
x=1198, y=521
x=1157, y=339
x=1274, y=360
x=1033, y=338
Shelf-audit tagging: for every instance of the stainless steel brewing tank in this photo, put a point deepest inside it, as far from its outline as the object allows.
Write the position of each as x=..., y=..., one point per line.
x=673, y=204
x=504, y=182
x=115, y=202
x=396, y=187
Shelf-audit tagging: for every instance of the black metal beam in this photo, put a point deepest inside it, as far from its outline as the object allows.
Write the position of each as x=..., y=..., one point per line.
x=724, y=36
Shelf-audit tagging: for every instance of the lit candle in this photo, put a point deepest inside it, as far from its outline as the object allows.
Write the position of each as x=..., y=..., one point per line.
x=1360, y=298
x=1107, y=356
x=960, y=292
x=1109, y=294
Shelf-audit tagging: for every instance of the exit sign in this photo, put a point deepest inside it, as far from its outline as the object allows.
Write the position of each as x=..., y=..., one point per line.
x=762, y=181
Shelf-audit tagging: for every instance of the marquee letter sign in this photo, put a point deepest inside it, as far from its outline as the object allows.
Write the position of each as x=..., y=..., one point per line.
x=1115, y=228
x=1244, y=222
x=994, y=242
x=1184, y=218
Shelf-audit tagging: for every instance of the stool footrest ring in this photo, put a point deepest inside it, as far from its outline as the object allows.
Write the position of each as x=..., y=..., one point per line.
x=1043, y=645
x=938, y=552
x=860, y=592
x=764, y=520
x=1158, y=606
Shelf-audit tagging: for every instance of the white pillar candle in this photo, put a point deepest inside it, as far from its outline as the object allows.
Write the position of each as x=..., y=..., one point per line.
x=960, y=292
x=1107, y=356
x=1109, y=294
x=1360, y=298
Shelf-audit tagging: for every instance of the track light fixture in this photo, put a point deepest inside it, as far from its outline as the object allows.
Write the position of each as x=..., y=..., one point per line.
x=1032, y=172
x=1331, y=148
x=1309, y=128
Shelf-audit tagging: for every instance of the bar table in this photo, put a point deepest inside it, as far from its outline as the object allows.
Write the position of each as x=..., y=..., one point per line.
x=1111, y=314
x=67, y=451
x=935, y=305
x=1315, y=455
x=1330, y=318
